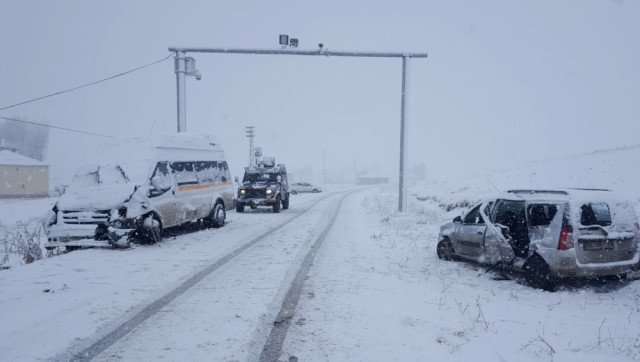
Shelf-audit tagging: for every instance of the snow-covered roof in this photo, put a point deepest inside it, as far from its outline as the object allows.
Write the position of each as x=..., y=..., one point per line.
x=11, y=158
x=564, y=194
x=137, y=156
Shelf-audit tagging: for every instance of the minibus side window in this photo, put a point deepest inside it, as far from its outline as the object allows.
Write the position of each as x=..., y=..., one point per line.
x=225, y=175
x=184, y=173
x=206, y=171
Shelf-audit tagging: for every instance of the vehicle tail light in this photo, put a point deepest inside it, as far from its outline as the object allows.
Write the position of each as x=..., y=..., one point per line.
x=565, y=242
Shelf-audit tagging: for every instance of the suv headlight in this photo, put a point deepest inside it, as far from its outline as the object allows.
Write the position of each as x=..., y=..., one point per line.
x=242, y=192
x=269, y=192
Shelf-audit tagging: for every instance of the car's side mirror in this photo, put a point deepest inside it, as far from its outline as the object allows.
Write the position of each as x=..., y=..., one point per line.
x=457, y=219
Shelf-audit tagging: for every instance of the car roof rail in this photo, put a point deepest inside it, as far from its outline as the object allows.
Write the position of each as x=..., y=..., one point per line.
x=531, y=191
x=588, y=189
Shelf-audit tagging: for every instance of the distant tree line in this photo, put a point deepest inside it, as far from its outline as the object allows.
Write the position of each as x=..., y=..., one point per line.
x=26, y=139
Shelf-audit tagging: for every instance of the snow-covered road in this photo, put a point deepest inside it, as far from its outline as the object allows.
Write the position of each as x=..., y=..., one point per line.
x=67, y=303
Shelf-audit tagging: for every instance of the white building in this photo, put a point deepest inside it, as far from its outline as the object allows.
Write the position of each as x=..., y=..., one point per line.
x=22, y=176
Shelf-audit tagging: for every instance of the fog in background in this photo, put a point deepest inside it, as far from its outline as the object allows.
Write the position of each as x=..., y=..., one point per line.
x=505, y=82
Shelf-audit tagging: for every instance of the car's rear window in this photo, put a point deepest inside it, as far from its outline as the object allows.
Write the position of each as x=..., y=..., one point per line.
x=541, y=214
x=595, y=214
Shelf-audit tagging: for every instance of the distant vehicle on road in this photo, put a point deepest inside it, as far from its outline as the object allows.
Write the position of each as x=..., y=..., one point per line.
x=547, y=234
x=264, y=185
x=141, y=187
x=294, y=188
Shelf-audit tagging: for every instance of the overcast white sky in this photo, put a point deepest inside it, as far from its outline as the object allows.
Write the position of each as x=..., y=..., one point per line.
x=505, y=81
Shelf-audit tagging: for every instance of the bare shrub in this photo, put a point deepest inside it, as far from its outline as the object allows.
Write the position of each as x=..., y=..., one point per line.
x=21, y=239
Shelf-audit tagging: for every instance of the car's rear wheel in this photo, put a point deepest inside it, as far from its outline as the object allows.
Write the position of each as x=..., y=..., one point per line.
x=537, y=273
x=445, y=250
x=294, y=192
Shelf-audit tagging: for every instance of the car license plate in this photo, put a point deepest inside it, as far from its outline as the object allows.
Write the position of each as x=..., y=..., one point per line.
x=598, y=245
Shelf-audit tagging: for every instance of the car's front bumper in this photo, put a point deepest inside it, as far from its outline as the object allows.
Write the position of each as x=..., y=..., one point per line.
x=62, y=233
x=85, y=236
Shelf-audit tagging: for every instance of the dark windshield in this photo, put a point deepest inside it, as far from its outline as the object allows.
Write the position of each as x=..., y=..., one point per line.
x=260, y=177
x=99, y=175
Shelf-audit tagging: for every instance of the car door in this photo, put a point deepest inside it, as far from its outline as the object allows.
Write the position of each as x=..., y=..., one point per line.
x=496, y=238
x=470, y=234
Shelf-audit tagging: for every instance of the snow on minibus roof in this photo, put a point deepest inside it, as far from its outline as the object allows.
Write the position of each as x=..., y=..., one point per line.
x=137, y=155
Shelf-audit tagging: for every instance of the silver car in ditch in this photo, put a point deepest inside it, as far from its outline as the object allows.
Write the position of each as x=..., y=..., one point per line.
x=547, y=234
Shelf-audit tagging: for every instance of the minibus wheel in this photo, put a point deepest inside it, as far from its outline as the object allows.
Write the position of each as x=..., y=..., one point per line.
x=151, y=230
x=217, y=216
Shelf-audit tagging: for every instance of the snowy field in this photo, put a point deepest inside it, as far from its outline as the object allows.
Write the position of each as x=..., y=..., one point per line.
x=376, y=291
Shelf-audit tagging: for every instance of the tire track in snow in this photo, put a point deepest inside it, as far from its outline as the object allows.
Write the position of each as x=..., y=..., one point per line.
x=151, y=309
x=273, y=347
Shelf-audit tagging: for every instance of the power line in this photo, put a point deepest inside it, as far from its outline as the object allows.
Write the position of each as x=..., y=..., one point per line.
x=61, y=128
x=88, y=84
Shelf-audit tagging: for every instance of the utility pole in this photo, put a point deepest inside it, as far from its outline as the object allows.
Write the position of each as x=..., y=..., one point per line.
x=324, y=170
x=251, y=134
x=183, y=66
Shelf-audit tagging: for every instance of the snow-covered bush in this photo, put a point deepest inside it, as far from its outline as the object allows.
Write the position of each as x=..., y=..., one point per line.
x=21, y=240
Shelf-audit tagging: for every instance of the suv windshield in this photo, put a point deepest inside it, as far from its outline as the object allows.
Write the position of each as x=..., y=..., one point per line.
x=260, y=177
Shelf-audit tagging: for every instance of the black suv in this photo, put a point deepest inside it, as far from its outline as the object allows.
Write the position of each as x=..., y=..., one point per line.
x=264, y=186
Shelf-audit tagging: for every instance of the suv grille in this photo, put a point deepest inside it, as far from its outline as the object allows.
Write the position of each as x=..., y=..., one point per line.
x=251, y=193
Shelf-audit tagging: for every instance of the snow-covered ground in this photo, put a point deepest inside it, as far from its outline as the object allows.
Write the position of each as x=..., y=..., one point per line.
x=376, y=290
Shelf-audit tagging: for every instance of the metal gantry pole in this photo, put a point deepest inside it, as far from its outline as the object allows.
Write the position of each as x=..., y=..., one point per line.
x=180, y=65
x=403, y=120
x=180, y=69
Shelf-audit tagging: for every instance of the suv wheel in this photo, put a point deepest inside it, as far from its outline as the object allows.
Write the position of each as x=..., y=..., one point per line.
x=285, y=203
x=277, y=205
x=538, y=275
x=239, y=207
x=445, y=250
